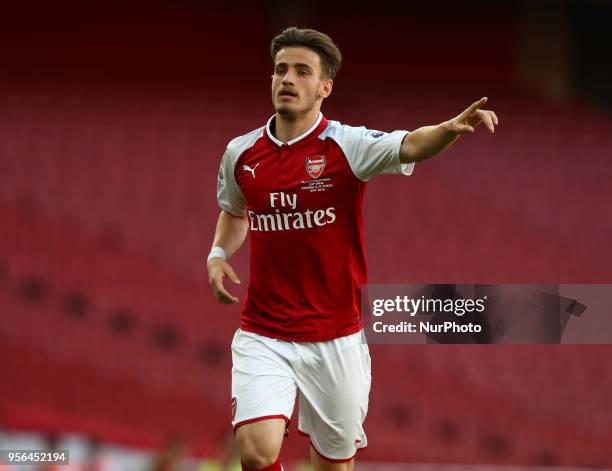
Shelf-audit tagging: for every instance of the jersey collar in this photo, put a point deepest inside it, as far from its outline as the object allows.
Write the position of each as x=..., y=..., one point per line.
x=320, y=121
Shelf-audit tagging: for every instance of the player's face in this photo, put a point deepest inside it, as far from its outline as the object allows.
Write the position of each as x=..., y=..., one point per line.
x=298, y=84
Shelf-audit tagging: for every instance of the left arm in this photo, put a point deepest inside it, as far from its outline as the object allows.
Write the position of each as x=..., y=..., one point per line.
x=428, y=141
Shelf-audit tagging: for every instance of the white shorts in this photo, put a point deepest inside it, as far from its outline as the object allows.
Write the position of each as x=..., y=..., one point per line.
x=333, y=380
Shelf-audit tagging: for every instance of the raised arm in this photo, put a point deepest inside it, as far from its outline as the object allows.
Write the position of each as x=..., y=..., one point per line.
x=425, y=142
x=229, y=236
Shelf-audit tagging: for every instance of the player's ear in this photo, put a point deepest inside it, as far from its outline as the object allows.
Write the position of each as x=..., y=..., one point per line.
x=326, y=89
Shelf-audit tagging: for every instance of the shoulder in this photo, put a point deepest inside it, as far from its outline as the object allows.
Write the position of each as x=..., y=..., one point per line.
x=240, y=144
x=347, y=136
x=369, y=152
x=341, y=133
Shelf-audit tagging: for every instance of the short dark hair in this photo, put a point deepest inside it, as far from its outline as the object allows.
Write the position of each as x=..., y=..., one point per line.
x=321, y=43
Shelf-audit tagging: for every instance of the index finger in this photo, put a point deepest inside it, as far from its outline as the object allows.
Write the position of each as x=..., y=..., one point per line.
x=477, y=104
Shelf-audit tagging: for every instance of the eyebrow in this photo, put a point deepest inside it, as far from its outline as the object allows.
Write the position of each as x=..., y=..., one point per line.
x=297, y=64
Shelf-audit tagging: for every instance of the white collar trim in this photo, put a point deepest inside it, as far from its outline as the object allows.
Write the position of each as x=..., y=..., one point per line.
x=292, y=141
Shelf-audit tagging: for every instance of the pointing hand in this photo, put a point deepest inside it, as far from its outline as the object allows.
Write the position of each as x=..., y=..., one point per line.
x=467, y=121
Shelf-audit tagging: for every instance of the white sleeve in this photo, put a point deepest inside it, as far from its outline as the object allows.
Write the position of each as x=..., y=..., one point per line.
x=370, y=152
x=229, y=194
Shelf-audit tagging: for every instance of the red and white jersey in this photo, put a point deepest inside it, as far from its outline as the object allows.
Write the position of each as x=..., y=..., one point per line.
x=303, y=201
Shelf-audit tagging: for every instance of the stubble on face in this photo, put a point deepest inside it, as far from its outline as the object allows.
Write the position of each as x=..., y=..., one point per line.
x=297, y=69
x=286, y=112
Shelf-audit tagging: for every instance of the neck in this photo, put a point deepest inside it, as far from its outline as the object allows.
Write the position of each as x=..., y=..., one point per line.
x=289, y=127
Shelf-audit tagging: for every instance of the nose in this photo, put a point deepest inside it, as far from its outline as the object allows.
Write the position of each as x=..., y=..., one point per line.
x=287, y=79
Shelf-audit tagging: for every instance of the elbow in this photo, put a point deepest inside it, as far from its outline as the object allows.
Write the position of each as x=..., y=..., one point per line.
x=231, y=216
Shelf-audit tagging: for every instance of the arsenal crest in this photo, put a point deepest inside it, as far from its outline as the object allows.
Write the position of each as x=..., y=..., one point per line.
x=315, y=165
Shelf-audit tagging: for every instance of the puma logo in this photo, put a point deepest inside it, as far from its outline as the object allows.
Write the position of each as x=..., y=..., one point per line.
x=249, y=169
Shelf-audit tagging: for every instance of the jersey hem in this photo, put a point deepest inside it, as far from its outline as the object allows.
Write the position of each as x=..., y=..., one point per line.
x=299, y=338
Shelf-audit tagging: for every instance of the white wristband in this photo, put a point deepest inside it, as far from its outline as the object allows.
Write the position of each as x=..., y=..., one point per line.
x=216, y=252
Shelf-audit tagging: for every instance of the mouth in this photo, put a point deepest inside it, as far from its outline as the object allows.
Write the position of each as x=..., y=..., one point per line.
x=287, y=94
